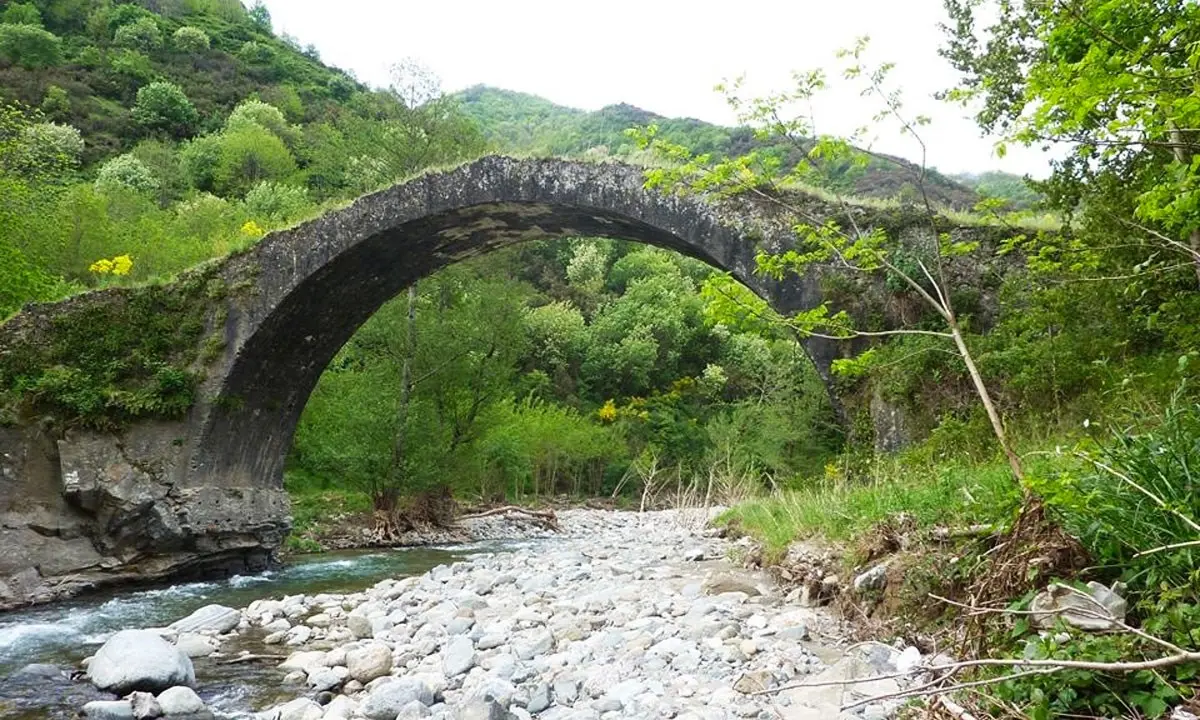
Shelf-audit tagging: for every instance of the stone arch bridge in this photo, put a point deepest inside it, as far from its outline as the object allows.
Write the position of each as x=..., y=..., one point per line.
x=169, y=496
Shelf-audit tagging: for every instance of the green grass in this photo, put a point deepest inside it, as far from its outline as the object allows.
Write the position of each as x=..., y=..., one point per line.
x=318, y=508
x=840, y=510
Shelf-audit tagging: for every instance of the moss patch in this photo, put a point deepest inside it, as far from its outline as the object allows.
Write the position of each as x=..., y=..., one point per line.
x=108, y=358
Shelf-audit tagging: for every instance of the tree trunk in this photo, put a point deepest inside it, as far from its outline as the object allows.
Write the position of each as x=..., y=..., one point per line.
x=406, y=384
x=387, y=524
x=986, y=398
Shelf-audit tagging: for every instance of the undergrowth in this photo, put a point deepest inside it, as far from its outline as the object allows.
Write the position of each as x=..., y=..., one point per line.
x=1127, y=497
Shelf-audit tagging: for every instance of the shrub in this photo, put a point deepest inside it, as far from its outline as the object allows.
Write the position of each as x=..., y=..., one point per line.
x=21, y=14
x=142, y=34
x=56, y=103
x=250, y=156
x=54, y=145
x=256, y=53
x=124, y=14
x=1139, y=492
x=164, y=106
x=201, y=158
x=29, y=46
x=133, y=65
x=126, y=172
x=261, y=114
x=276, y=201
x=190, y=39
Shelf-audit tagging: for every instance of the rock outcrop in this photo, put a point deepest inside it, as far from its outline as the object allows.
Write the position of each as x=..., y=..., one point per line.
x=95, y=509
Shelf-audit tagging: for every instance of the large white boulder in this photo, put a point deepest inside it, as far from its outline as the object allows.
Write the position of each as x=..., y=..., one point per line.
x=209, y=620
x=139, y=660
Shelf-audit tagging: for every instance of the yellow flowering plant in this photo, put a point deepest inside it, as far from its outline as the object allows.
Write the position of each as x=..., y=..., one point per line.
x=253, y=230
x=121, y=265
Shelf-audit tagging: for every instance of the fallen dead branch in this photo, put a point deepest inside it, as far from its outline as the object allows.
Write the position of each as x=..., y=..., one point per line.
x=543, y=518
x=252, y=658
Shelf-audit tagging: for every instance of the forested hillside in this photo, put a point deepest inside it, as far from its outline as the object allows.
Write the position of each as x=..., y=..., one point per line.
x=524, y=123
x=136, y=142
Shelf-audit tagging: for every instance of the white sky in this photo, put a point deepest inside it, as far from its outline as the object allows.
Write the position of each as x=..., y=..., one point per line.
x=660, y=55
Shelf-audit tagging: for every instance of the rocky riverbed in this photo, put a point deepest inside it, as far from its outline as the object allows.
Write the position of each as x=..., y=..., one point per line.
x=622, y=615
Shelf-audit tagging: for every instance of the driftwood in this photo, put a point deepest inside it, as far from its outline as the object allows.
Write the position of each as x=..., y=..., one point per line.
x=543, y=518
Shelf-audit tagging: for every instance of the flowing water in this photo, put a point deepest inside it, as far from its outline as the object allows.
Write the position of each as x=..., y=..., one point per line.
x=62, y=634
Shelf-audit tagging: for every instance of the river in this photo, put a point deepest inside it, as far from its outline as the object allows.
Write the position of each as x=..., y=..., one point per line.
x=62, y=634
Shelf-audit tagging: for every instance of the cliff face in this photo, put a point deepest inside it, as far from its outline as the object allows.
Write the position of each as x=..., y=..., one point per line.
x=96, y=508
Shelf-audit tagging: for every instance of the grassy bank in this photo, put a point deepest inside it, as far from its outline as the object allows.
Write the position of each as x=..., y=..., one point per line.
x=840, y=509
x=1122, y=507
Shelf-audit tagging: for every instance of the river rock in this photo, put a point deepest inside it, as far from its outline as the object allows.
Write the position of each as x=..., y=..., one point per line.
x=180, y=701
x=139, y=660
x=209, y=620
x=320, y=620
x=40, y=670
x=386, y=700
x=727, y=583
x=340, y=708
x=195, y=645
x=484, y=710
x=327, y=679
x=308, y=661
x=144, y=705
x=298, y=635
x=369, y=662
x=459, y=656
x=413, y=711
x=108, y=710
x=360, y=626
x=539, y=643
x=871, y=580
x=540, y=699
x=298, y=709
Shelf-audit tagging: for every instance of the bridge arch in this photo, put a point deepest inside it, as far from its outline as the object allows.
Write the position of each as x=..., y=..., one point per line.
x=315, y=284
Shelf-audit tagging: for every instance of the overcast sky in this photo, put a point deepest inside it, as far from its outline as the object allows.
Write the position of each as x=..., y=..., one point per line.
x=660, y=55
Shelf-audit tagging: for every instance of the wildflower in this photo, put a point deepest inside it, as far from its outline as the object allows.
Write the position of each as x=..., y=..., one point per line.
x=608, y=412
x=122, y=264
x=103, y=266
x=252, y=229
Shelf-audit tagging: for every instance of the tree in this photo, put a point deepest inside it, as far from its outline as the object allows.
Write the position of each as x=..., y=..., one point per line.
x=21, y=14
x=261, y=16
x=56, y=103
x=51, y=145
x=163, y=106
x=249, y=156
x=200, y=159
x=142, y=34
x=919, y=267
x=1114, y=82
x=190, y=39
x=29, y=46
x=412, y=126
x=263, y=115
x=276, y=202
x=126, y=172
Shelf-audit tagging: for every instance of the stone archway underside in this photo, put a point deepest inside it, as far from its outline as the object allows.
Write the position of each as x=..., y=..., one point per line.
x=316, y=284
